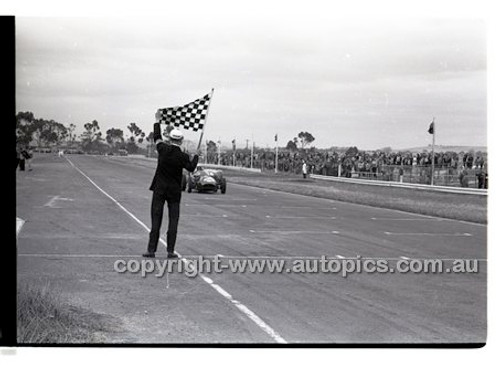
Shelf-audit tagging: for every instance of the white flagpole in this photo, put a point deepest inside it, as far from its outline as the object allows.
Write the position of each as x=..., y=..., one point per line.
x=432, y=155
x=251, y=154
x=206, y=152
x=234, y=151
x=276, y=158
x=205, y=123
x=218, y=151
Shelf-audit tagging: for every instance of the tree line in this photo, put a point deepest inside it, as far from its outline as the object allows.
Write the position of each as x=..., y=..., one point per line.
x=47, y=133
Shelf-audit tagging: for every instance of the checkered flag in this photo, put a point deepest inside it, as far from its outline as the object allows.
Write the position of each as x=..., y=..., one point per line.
x=191, y=116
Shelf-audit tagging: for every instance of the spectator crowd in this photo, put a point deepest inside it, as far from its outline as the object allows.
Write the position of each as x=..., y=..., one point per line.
x=382, y=165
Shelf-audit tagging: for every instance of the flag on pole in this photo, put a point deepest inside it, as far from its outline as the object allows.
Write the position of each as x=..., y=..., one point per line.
x=431, y=128
x=191, y=116
x=234, y=144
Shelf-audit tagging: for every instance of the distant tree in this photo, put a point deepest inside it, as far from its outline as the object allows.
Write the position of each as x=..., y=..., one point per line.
x=44, y=132
x=28, y=116
x=25, y=127
x=51, y=132
x=305, y=138
x=40, y=133
x=291, y=145
x=60, y=132
x=150, y=137
x=136, y=135
x=71, y=136
x=91, y=137
x=114, y=137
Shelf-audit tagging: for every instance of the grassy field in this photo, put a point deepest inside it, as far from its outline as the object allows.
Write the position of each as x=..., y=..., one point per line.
x=448, y=205
x=43, y=317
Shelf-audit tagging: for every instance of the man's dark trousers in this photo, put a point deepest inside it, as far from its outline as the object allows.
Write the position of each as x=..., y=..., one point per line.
x=157, y=206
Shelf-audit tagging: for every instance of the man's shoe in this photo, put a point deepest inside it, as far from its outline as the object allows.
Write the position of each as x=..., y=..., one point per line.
x=148, y=255
x=172, y=255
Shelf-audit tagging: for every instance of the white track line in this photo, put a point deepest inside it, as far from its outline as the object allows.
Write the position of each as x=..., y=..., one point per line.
x=406, y=219
x=251, y=315
x=19, y=225
x=294, y=231
x=301, y=217
x=209, y=216
x=230, y=199
x=112, y=199
x=428, y=234
x=257, y=205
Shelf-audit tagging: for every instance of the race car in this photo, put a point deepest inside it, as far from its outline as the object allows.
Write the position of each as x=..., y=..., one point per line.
x=206, y=180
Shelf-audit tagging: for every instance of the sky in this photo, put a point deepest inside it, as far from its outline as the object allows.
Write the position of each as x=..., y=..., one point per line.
x=365, y=82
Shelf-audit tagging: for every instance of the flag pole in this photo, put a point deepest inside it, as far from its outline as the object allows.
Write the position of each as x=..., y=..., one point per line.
x=205, y=123
x=276, y=155
x=432, y=154
x=234, y=151
x=206, y=152
x=251, y=154
x=218, y=151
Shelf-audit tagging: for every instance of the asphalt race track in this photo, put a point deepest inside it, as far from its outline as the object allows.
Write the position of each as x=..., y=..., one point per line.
x=82, y=213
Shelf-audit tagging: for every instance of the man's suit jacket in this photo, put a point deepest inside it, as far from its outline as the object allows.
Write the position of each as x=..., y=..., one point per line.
x=168, y=175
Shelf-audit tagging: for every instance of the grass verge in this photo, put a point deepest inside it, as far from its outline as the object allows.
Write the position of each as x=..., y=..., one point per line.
x=447, y=205
x=43, y=317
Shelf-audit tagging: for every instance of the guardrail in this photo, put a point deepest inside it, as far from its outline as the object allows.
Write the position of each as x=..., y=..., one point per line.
x=434, y=188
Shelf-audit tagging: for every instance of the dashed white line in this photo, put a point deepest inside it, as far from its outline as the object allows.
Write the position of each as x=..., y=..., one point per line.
x=19, y=225
x=53, y=200
x=230, y=199
x=405, y=219
x=206, y=216
x=294, y=231
x=243, y=308
x=428, y=234
x=301, y=217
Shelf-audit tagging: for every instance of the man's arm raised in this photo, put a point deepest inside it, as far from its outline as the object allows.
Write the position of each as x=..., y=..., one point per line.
x=157, y=133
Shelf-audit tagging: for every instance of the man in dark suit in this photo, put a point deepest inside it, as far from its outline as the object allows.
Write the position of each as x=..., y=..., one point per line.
x=166, y=187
